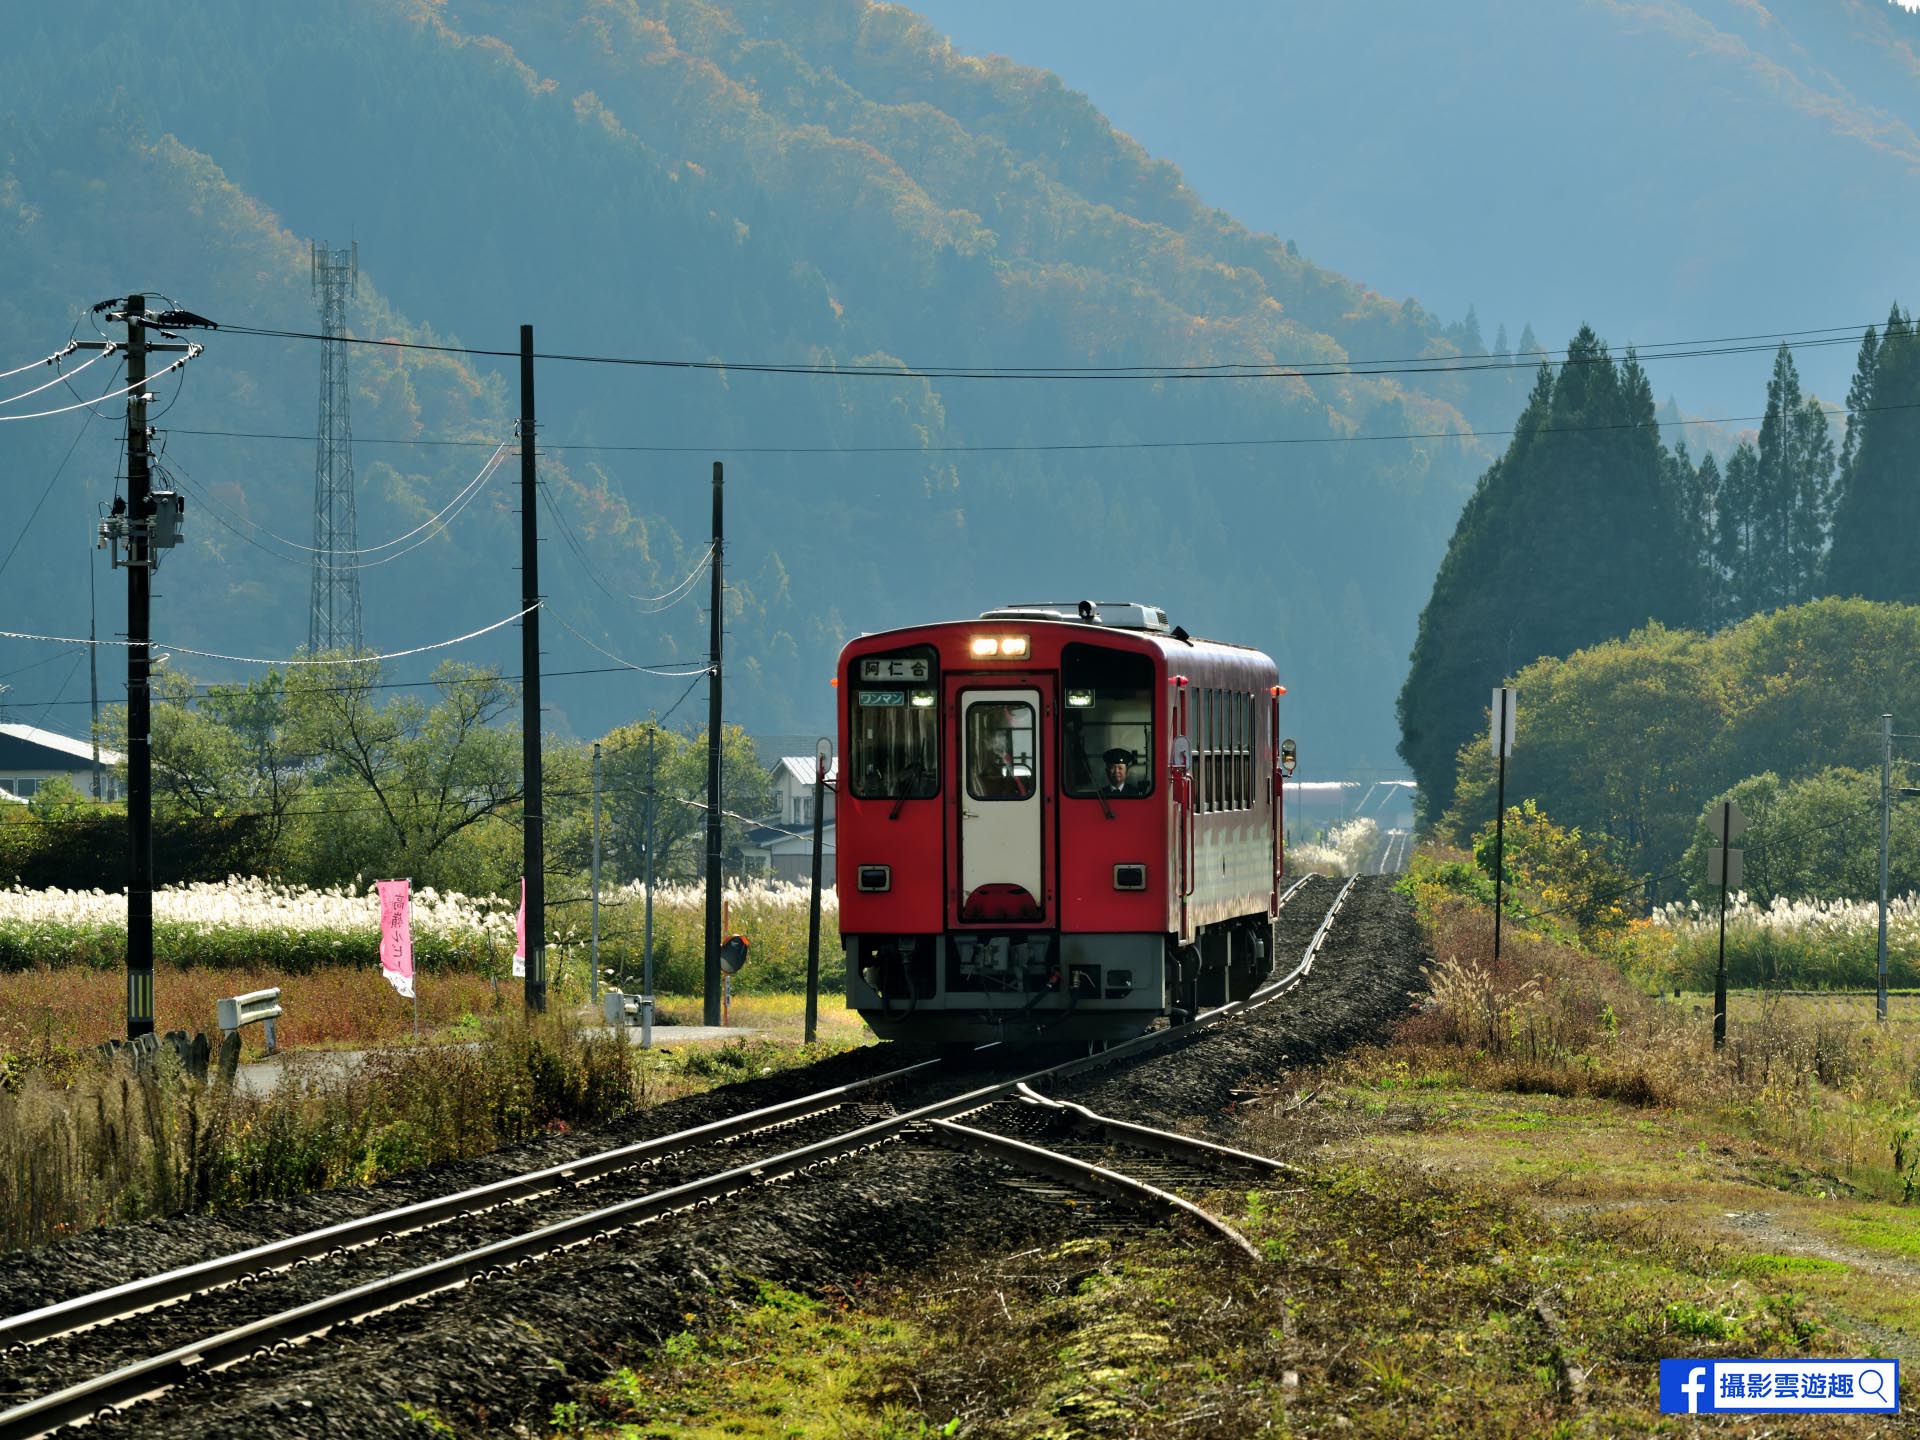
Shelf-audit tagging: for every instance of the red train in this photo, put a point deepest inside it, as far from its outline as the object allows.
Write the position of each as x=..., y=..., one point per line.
x=1058, y=821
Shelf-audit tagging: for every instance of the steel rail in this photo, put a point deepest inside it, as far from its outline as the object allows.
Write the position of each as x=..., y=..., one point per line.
x=146, y=1378
x=1148, y=1137
x=102, y=1307
x=1095, y=1179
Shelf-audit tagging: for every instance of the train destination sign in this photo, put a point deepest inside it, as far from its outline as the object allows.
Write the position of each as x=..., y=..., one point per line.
x=894, y=667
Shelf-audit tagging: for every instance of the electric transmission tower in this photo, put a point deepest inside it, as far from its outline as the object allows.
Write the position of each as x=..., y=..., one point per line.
x=334, y=623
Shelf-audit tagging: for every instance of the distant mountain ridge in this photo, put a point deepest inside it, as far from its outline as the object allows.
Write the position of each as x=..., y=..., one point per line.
x=828, y=183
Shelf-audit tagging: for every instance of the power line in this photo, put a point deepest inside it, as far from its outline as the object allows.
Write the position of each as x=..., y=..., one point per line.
x=647, y=603
x=201, y=692
x=1069, y=447
x=19, y=539
x=442, y=518
x=62, y=352
x=260, y=660
x=193, y=352
x=1227, y=370
x=61, y=376
x=628, y=664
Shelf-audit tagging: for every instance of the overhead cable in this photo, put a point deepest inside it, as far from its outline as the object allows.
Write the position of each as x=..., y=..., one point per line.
x=193, y=352
x=628, y=664
x=60, y=376
x=34, y=514
x=64, y=350
x=1070, y=447
x=1229, y=370
x=648, y=604
x=298, y=660
x=445, y=515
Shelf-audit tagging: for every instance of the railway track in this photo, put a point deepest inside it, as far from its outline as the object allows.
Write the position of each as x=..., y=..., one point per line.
x=231, y=1310
x=1393, y=852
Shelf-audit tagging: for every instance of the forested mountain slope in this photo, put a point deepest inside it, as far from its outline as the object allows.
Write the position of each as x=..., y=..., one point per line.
x=1656, y=168
x=755, y=182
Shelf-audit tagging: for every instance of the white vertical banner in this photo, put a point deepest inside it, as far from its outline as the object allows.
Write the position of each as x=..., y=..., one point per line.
x=1503, y=715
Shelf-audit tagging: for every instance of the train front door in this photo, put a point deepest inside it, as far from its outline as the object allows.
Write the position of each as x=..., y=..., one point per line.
x=1002, y=785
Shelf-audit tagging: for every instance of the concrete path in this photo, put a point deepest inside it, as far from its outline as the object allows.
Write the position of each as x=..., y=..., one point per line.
x=263, y=1077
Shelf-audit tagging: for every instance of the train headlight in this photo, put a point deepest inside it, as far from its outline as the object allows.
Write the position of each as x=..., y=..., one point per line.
x=1003, y=647
x=1079, y=699
x=922, y=699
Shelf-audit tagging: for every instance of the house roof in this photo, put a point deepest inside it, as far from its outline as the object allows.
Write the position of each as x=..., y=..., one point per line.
x=779, y=840
x=14, y=737
x=801, y=768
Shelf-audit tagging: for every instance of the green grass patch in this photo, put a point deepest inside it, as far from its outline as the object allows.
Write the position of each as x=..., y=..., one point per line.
x=782, y=1366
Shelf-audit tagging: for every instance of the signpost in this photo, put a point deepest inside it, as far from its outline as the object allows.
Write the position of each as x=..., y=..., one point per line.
x=1724, y=868
x=1505, y=718
x=822, y=759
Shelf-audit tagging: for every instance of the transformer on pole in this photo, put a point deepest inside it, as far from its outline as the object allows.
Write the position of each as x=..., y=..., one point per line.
x=334, y=616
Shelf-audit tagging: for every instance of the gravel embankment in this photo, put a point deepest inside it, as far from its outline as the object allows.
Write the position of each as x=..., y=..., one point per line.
x=493, y=1358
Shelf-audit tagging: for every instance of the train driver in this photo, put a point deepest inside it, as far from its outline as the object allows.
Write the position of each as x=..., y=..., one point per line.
x=1118, y=764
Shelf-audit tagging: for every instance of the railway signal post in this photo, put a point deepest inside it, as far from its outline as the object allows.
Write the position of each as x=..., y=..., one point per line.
x=822, y=758
x=712, y=977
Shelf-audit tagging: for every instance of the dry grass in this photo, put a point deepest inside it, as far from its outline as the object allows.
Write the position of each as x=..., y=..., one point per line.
x=1828, y=1085
x=107, y=1144
x=45, y=1013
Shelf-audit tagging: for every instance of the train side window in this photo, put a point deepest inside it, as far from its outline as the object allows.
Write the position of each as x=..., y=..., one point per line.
x=1205, y=727
x=1108, y=700
x=1253, y=748
x=1216, y=706
x=1246, y=751
x=895, y=726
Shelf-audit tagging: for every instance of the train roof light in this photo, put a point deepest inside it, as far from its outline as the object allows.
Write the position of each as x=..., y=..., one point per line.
x=1004, y=647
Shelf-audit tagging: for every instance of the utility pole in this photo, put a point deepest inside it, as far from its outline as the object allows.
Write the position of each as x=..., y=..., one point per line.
x=646, y=954
x=594, y=971
x=1505, y=701
x=139, y=697
x=711, y=1008
x=143, y=529
x=334, y=621
x=93, y=678
x=1886, y=825
x=533, y=836
x=1724, y=868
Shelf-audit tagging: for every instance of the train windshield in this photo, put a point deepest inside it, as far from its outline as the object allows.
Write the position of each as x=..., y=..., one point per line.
x=896, y=726
x=1107, y=740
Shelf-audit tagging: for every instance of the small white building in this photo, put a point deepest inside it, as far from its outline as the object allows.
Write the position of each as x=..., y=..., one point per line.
x=782, y=848
x=30, y=756
x=793, y=791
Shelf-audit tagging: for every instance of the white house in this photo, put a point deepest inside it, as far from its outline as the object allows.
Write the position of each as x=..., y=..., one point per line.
x=782, y=848
x=793, y=791
x=29, y=756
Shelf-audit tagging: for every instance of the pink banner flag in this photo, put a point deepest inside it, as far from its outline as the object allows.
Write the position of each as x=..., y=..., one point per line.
x=396, y=933
x=520, y=934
